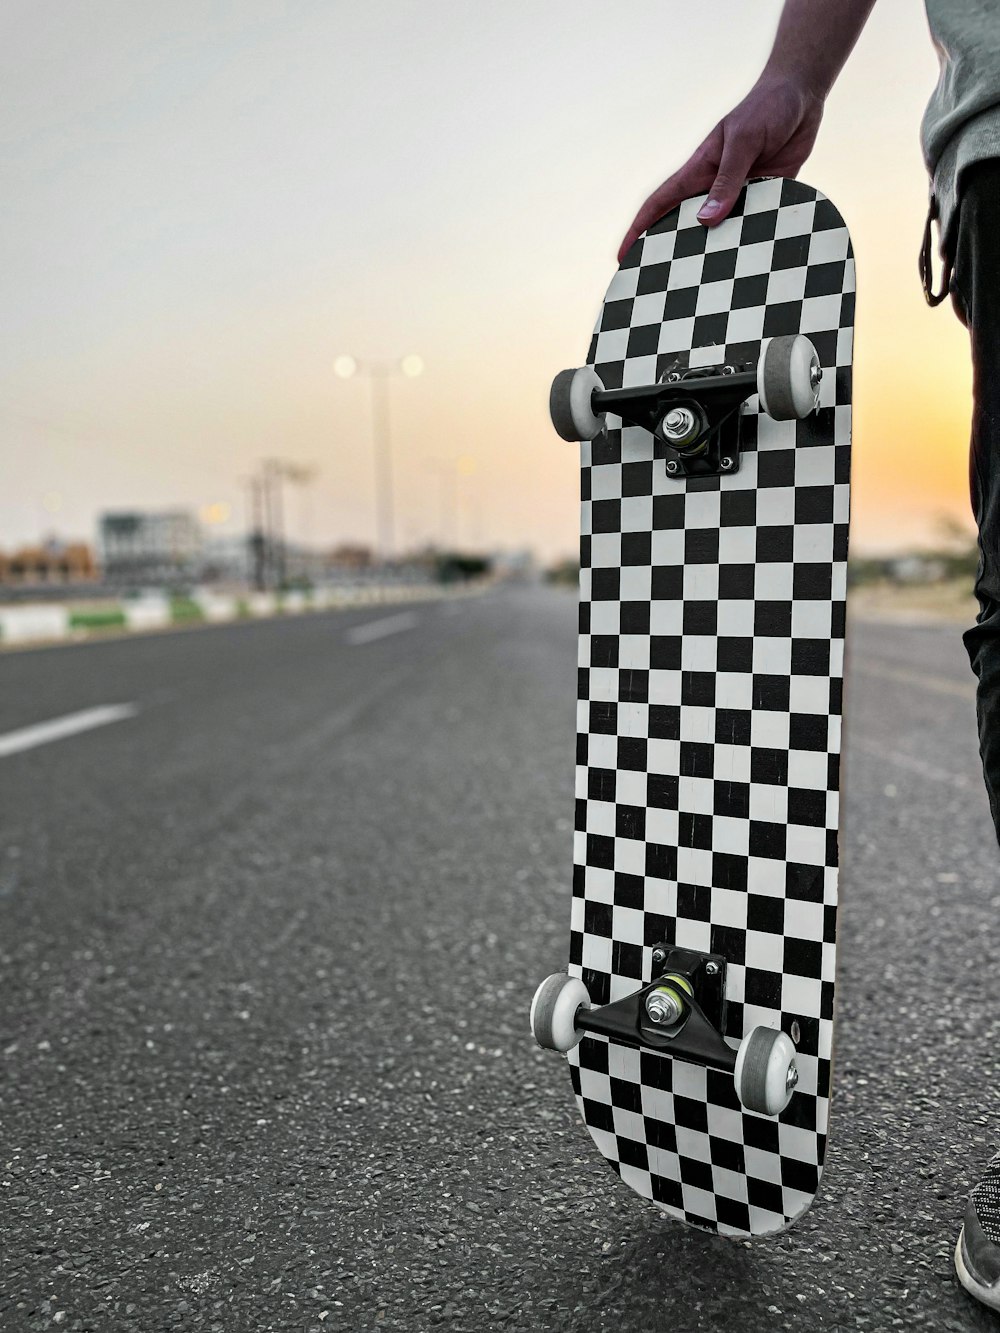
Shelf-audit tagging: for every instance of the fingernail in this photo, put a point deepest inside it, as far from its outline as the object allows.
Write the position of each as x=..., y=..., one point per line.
x=709, y=208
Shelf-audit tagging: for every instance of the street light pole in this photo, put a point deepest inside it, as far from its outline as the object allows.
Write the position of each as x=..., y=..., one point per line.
x=256, y=540
x=385, y=517
x=274, y=471
x=273, y=520
x=379, y=374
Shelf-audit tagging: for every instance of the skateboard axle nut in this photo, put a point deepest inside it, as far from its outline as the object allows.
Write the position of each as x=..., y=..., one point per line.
x=679, y=423
x=663, y=1006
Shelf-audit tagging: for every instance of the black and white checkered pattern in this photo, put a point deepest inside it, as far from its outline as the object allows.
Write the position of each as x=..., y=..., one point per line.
x=711, y=669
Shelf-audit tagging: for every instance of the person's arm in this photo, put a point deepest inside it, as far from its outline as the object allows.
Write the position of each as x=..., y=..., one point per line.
x=772, y=131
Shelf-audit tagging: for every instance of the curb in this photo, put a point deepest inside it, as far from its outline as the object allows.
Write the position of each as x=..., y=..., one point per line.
x=22, y=626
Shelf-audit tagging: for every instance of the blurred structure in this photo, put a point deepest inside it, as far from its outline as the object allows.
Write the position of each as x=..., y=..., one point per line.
x=179, y=553
x=53, y=563
x=151, y=549
x=350, y=556
x=516, y=566
x=271, y=561
x=225, y=560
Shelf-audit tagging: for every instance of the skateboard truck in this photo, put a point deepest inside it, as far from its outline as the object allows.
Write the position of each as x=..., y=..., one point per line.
x=680, y=1013
x=694, y=413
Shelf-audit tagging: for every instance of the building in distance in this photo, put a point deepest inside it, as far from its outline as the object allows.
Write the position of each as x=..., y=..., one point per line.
x=151, y=548
x=52, y=563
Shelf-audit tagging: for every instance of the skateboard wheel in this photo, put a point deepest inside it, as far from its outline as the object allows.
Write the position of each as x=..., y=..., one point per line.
x=554, y=1009
x=788, y=377
x=765, y=1071
x=570, y=404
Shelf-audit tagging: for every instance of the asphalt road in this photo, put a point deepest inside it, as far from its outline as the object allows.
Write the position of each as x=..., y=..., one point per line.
x=267, y=948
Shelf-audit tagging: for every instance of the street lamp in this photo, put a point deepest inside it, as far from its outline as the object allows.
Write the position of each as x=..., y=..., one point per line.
x=379, y=373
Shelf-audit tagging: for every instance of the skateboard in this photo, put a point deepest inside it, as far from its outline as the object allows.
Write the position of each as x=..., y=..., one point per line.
x=714, y=421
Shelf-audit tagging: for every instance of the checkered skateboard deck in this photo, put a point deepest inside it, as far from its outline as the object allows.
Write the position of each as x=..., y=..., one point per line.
x=710, y=678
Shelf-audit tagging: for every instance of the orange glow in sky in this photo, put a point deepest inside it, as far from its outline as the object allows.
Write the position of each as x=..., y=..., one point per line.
x=205, y=206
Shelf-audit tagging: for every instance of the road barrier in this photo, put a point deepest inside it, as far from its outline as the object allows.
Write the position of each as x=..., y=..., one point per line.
x=54, y=622
x=26, y=624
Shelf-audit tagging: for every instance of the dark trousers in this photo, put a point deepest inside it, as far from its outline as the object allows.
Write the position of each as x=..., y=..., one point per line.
x=975, y=290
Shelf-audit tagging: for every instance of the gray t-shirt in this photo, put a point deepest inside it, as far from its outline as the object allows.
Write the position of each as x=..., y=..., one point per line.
x=962, y=122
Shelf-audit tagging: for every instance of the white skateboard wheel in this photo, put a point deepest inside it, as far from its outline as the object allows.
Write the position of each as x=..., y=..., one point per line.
x=571, y=405
x=557, y=1002
x=788, y=377
x=765, y=1071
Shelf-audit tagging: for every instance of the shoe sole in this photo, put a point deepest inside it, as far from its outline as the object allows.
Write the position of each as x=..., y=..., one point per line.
x=989, y=1296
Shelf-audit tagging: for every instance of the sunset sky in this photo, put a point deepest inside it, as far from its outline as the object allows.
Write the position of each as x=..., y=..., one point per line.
x=206, y=202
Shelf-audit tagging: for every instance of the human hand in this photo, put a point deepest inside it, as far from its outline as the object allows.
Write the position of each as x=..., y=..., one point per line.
x=770, y=133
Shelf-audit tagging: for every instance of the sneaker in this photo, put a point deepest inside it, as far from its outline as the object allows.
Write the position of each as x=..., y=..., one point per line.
x=977, y=1254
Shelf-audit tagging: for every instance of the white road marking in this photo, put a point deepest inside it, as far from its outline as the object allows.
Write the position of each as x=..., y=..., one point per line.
x=27, y=738
x=380, y=629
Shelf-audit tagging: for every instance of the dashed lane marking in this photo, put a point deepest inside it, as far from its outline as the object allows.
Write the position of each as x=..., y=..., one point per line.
x=72, y=724
x=380, y=629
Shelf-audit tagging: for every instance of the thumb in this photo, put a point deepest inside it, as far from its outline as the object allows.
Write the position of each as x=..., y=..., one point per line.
x=739, y=153
x=691, y=179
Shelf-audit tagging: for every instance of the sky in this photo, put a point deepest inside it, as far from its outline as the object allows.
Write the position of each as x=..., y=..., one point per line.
x=204, y=203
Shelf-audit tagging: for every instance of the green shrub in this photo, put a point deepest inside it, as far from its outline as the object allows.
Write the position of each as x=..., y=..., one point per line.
x=96, y=618
x=184, y=608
